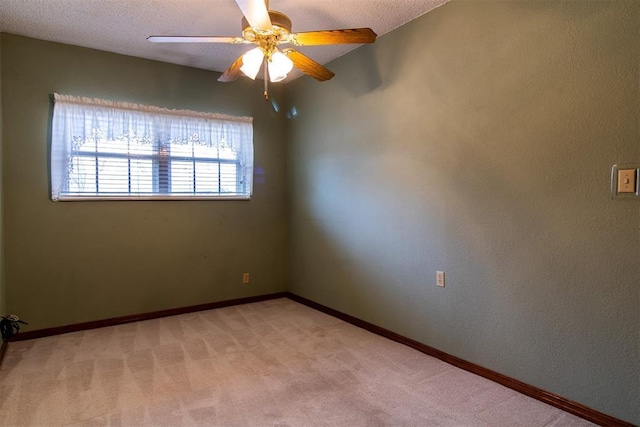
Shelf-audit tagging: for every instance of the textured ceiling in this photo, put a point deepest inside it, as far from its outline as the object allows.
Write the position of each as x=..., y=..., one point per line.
x=122, y=26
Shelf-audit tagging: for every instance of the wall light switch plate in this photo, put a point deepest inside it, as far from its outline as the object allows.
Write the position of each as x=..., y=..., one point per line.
x=625, y=182
x=440, y=279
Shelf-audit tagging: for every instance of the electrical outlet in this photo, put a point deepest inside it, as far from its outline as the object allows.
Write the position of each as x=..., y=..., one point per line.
x=440, y=279
x=245, y=278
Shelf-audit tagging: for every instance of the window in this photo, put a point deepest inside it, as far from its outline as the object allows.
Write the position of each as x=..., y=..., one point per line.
x=110, y=150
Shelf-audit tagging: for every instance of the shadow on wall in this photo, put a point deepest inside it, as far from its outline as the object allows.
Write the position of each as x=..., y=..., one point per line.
x=363, y=74
x=378, y=66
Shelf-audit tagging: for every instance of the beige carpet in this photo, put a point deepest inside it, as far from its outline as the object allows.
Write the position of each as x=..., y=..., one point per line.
x=274, y=363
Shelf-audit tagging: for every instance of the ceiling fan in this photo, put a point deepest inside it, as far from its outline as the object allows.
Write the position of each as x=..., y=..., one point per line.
x=268, y=30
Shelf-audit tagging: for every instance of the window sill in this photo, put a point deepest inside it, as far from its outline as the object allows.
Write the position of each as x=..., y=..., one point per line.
x=147, y=198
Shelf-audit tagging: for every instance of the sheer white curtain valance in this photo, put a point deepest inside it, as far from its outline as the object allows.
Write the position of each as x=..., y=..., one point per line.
x=105, y=149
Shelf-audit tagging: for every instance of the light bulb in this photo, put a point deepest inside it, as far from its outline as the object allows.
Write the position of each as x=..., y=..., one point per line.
x=279, y=66
x=251, y=62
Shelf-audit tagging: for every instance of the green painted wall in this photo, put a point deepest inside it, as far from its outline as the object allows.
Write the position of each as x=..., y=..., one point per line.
x=478, y=140
x=72, y=262
x=3, y=305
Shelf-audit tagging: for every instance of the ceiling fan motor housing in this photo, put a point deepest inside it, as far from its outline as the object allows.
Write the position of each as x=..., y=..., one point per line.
x=280, y=29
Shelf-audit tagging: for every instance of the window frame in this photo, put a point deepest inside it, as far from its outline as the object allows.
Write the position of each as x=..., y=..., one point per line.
x=64, y=151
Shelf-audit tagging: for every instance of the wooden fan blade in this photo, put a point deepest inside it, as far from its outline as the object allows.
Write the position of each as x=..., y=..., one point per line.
x=195, y=39
x=233, y=72
x=353, y=35
x=309, y=66
x=256, y=13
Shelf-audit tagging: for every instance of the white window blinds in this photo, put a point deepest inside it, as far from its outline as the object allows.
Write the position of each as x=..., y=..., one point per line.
x=112, y=150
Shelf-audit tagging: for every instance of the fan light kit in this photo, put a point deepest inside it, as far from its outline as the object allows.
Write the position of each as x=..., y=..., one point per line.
x=269, y=29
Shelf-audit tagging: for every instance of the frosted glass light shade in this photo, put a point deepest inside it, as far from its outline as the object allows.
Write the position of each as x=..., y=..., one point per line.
x=279, y=66
x=251, y=62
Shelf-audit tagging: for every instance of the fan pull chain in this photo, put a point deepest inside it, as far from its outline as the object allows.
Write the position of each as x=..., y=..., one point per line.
x=266, y=80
